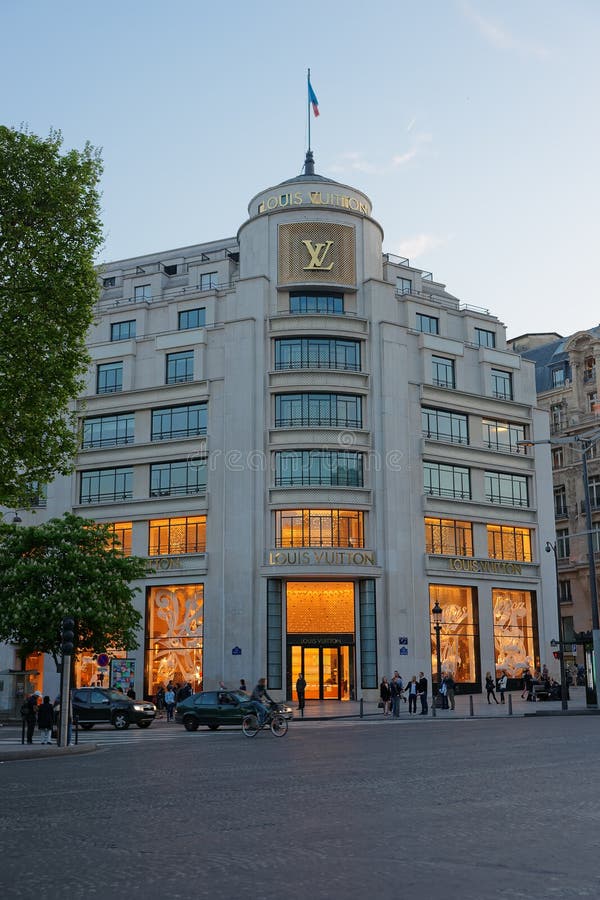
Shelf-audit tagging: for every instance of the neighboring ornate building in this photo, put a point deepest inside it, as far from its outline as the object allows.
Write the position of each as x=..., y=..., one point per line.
x=312, y=442
x=567, y=383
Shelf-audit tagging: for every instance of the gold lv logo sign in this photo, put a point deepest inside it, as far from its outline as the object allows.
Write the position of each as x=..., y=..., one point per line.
x=318, y=255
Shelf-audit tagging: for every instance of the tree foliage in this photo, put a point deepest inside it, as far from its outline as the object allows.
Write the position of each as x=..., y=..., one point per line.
x=67, y=567
x=50, y=231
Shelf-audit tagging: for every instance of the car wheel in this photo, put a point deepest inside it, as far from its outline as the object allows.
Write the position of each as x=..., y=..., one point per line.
x=145, y=724
x=213, y=727
x=190, y=724
x=86, y=725
x=250, y=726
x=121, y=721
x=279, y=726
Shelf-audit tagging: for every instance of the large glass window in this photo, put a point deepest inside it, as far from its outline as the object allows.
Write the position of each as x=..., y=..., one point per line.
x=185, y=534
x=502, y=384
x=508, y=542
x=515, y=631
x=174, y=645
x=191, y=318
x=329, y=410
x=142, y=292
x=319, y=528
x=503, y=436
x=403, y=285
x=485, y=338
x=317, y=353
x=507, y=490
x=108, y=431
x=444, y=480
x=448, y=536
x=428, y=324
x=443, y=425
x=101, y=485
x=180, y=366
x=208, y=281
x=179, y=421
x=122, y=331
x=559, y=376
x=328, y=467
x=186, y=476
x=443, y=371
x=109, y=378
x=122, y=536
x=459, y=634
x=331, y=304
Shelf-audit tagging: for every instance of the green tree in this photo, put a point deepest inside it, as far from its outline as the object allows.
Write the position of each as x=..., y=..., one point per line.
x=50, y=231
x=67, y=567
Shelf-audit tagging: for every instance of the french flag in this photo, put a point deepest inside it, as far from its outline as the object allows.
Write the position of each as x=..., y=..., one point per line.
x=312, y=98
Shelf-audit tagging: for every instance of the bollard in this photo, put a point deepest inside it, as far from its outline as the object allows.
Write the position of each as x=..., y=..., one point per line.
x=76, y=729
x=510, y=705
x=23, y=729
x=471, y=713
x=361, y=708
x=433, y=712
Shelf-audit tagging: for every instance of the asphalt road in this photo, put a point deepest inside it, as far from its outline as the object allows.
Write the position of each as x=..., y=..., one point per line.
x=467, y=810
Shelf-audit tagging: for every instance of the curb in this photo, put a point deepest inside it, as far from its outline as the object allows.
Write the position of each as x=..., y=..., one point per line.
x=46, y=752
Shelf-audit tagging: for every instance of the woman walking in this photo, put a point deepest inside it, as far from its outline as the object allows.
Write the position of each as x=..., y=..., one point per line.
x=385, y=694
x=490, y=687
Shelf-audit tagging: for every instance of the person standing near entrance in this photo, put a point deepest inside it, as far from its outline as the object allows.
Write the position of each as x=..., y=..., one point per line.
x=502, y=685
x=422, y=687
x=46, y=721
x=300, y=689
x=169, y=701
x=29, y=713
x=413, y=690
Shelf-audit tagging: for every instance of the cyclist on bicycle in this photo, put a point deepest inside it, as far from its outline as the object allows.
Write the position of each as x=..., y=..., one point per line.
x=257, y=700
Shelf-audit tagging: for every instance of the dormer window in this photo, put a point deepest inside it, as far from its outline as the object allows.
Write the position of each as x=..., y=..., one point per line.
x=558, y=376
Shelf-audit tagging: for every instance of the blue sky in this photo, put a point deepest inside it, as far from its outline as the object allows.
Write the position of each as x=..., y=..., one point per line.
x=473, y=126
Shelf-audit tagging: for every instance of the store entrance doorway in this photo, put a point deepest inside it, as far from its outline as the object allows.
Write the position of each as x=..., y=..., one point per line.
x=328, y=671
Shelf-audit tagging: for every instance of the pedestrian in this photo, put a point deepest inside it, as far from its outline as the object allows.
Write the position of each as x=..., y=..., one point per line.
x=413, y=690
x=29, y=713
x=160, y=701
x=396, y=688
x=502, y=685
x=450, y=689
x=422, y=685
x=242, y=688
x=45, y=718
x=385, y=694
x=300, y=689
x=169, y=702
x=490, y=687
x=131, y=692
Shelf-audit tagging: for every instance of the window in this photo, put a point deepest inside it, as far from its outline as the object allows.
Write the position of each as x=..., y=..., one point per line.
x=502, y=384
x=122, y=331
x=329, y=467
x=403, y=285
x=319, y=528
x=100, y=485
x=485, y=338
x=591, y=399
x=317, y=353
x=506, y=542
x=560, y=501
x=192, y=318
x=557, y=417
x=180, y=367
x=563, y=543
x=329, y=304
x=516, y=640
x=589, y=369
x=564, y=592
x=142, y=292
x=208, y=281
x=428, y=324
x=442, y=425
x=187, y=476
x=447, y=481
x=170, y=270
x=558, y=376
x=179, y=421
x=37, y=494
x=594, y=488
x=443, y=371
x=173, y=536
x=596, y=537
x=108, y=431
x=307, y=410
x=507, y=490
x=122, y=532
x=558, y=458
x=503, y=436
x=109, y=282
x=109, y=378
x=448, y=536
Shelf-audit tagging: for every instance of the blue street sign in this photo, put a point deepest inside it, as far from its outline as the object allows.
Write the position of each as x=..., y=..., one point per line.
x=403, y=639
x=236, y=651
x=403, y=651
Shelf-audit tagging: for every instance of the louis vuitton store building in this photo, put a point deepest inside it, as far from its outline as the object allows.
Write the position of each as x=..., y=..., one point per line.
x=312, y=442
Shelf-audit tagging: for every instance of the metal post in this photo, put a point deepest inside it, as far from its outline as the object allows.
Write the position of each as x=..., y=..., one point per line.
x=65, y=693
x=433, y=699
x=471, y=713
x=592, y=569
x=361, y=708
x=510, y=712
x=563, y=677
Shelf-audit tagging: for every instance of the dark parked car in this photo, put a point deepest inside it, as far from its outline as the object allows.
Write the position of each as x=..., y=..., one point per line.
x=214, y=708
x=104, y=706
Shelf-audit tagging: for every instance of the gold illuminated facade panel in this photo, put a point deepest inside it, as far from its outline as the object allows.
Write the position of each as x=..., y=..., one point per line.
x=175, y=617
x=320, y=607
x=323, y=252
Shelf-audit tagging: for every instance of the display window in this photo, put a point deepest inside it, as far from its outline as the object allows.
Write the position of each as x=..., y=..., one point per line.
x=175, y=628
x=459, y=633
x=515, y=631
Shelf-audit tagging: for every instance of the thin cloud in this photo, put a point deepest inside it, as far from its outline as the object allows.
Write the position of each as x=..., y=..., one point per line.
x=419, y=244
x=354, y=161
x=500, y=37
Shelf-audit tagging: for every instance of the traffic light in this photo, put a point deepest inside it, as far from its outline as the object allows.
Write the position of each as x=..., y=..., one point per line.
x=67, y=636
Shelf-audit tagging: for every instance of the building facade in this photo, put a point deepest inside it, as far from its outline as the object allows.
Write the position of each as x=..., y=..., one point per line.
x=312, y=442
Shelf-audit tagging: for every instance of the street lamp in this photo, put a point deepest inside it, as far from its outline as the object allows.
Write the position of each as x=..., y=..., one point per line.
x=551, y=548
x=16, y=520
x=436, y=615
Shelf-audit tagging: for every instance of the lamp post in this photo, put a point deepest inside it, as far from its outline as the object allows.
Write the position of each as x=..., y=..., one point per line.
x=551, y=548
x=436, y=614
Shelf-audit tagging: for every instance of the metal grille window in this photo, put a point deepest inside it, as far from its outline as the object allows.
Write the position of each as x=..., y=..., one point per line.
x=503, y=436
x=507, y=490
x=274, y=633
x=330, y=304
x=186, y=534
x=191, y=318
x=329, y=410
x=563, y=543
x=183, y=477
x=327, y=467
x=142, y=292
x=485, y=338
x=428, y=324
x=108, y=431
x=122, y=331
x=560, y=500
x=37, y=494
x=448, y=536
x=180, y=367
x=367, y=611
x=208, y=281
x=319, y=528
x=122, y=534
x=502, y=384
x=110, y=378
x=442, y=425
x=558, y=376
x=179, y=421
x=317, y=353
x=447, y=481
x=507, y=542
x=101, y=485
x=403, y=285
x=564, y=592
x=443, y=372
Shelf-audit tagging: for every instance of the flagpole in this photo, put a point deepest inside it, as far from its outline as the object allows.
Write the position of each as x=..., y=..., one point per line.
x=308, y=107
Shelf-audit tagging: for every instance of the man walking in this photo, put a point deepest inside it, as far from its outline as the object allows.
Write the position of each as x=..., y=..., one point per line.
x=422, y=691
x=300, y=689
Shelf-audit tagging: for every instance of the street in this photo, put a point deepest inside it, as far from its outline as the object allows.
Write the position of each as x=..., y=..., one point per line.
x=466, y=809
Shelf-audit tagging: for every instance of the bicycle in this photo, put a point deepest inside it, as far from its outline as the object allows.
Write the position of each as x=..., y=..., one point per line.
x=273, y=720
